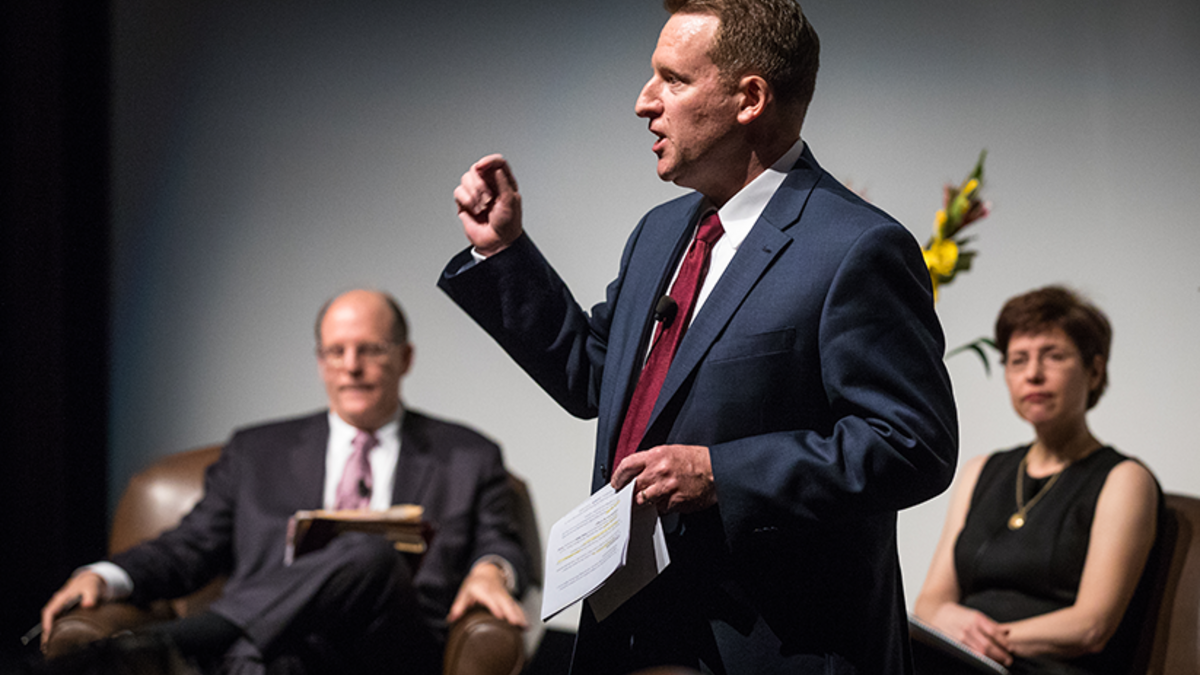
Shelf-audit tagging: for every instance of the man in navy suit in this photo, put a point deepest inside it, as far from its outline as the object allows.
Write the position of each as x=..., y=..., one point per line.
x=356, y=605
x=807, y=401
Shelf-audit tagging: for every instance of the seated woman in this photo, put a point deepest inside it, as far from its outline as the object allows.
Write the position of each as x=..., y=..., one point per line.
x=1044, y=545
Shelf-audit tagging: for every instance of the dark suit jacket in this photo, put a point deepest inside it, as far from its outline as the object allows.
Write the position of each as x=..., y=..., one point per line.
x=266, y=473
x=813, y=373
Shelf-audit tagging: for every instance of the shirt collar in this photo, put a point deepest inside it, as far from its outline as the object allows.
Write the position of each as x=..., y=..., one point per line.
x=342, y=431
x=740, y=213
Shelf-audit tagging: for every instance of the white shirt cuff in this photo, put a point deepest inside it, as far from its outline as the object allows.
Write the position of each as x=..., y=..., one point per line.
x=117, y=584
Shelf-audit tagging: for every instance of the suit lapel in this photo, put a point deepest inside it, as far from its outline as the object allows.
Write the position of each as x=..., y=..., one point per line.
x=414, y=463
x=307, y=461
x=764, y=243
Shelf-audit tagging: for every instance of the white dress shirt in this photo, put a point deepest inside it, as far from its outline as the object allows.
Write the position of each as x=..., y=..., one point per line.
x=738, y=215
x=383, y=458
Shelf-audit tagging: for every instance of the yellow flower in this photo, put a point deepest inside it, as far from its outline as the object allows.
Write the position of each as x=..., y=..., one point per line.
x=941, y=257
x=946, y=253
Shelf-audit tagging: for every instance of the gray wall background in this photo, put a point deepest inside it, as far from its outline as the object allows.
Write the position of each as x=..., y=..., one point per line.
x=269, y=155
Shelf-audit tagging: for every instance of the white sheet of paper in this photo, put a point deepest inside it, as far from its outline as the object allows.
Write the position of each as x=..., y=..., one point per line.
x=590, y=544
x=645, y=557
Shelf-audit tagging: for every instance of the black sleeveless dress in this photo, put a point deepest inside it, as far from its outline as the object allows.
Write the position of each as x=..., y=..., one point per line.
x=1015, y=574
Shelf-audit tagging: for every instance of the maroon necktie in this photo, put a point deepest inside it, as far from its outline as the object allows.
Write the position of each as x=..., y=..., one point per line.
x=669, y=335
x=354, y=490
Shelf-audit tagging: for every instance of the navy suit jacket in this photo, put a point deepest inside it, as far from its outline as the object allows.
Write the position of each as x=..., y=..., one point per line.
x=266, y=473
x=814, y=375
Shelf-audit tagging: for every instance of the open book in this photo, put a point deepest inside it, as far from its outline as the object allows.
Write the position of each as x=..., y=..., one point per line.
x=401, y=524
x=936, y=652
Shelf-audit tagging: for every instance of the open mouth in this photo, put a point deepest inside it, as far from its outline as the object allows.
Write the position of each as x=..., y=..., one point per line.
x=659, y=142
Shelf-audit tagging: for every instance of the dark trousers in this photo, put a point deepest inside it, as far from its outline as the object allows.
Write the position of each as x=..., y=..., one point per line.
x=349, y=607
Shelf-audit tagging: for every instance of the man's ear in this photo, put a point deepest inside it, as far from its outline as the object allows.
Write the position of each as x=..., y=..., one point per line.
x=755, y=95
x=406, y=358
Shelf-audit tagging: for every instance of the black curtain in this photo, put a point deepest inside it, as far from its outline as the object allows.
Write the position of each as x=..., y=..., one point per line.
x=54, y=197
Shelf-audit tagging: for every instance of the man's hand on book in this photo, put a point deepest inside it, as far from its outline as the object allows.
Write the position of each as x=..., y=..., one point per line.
x=485, y=586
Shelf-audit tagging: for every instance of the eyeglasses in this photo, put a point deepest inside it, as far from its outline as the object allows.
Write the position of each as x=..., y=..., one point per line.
x=1050, y=359
x=371, y=352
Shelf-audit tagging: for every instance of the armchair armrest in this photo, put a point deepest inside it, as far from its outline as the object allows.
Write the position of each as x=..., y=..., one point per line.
x=481, y=644
x=87, y=624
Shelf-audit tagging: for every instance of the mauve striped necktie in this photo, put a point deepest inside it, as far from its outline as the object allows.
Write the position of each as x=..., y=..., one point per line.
x=354, y=490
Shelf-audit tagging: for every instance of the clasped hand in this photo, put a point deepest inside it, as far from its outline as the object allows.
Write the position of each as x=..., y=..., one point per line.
x=675, y=478
x=976, y=631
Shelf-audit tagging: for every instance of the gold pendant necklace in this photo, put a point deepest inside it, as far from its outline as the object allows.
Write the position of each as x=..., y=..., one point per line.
x=1017, y=520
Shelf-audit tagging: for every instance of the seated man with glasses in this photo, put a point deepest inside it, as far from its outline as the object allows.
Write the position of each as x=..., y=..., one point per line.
x=355, y=605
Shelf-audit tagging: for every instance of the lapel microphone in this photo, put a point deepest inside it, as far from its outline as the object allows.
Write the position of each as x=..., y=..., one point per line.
x=665, y=310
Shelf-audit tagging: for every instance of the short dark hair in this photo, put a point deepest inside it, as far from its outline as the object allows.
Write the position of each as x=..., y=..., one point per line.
x=399, y=323
x=772, y=38
x=1059, y=307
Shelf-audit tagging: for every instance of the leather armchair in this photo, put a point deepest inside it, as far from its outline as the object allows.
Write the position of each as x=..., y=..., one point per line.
x=1171, y=636
x=158, y=497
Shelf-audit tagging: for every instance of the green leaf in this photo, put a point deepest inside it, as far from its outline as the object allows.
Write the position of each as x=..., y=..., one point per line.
x=977, y=346
x=977, y=174
x=963, y=263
